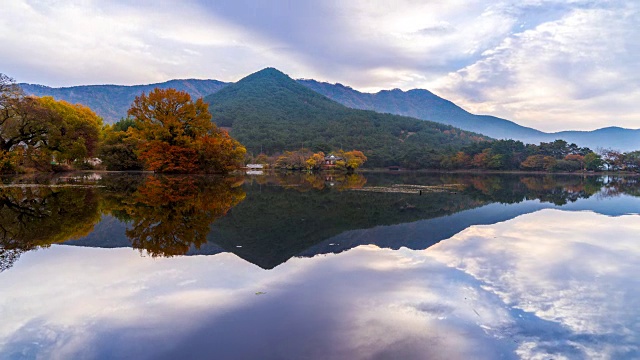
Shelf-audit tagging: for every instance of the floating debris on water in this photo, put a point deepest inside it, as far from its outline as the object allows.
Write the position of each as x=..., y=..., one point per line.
x=412, y=189
x=49, y=186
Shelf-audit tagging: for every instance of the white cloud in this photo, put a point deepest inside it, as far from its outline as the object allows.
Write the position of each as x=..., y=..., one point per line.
x=72, y=43
x=556, y=291
x=579, y=72
x=549, y=64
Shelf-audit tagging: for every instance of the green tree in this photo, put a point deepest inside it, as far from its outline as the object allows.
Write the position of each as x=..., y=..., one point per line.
x=593, y=162
x=118, y=147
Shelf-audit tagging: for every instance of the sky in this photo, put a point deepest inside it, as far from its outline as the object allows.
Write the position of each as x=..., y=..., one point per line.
x=549, y=64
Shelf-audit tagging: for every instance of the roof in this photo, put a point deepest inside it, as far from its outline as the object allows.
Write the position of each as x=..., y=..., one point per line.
x=332, y=157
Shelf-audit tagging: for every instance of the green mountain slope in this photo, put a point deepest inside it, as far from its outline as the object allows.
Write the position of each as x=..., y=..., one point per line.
x=111, y=102
x=269, y=111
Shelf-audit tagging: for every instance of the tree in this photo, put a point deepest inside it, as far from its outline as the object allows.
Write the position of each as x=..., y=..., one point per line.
x=593, y=161
x=38, y=129
x=78, y=130
x=613, y=159
x=315, y=161
x=177, y=135
x=118, y=147
x=23, y=120
x=539, y=162
x=353, y=159
x=293, y=160
x=576, y=158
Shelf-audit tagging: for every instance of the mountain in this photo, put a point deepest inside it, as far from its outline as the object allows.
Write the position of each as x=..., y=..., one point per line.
x=425, y=105
x=422, y=104
x=610, y=137
x=111, y=102
x=268, y=111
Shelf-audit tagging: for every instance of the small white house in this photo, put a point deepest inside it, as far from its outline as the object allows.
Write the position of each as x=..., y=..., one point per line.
x=255, y=166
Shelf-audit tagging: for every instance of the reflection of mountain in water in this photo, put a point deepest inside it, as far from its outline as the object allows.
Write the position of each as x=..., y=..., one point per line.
x=425, y=233
x=275, y=224
x=283, y=215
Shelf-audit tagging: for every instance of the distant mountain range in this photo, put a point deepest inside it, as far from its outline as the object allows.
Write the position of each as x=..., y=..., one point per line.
x=112, y=101
x=423, y=104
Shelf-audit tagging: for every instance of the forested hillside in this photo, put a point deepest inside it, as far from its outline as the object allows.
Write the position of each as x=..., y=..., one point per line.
x=268, y=111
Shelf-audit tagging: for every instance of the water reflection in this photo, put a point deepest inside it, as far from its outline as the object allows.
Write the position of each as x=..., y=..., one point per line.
x=569, y=285
x=509, y=290
x=169, y=215
x=164, y=216
x=284, y=214
x=38, y=215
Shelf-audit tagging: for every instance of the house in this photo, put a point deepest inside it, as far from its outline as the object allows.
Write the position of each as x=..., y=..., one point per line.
x=255, y=166
x=330, y=160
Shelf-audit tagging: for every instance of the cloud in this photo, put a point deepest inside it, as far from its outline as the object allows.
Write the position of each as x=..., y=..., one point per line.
x=549, y=64
x=578, y=72
x=71, y=43
x=483, y=294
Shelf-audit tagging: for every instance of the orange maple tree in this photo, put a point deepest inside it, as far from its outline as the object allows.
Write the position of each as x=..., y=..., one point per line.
x=176, y=135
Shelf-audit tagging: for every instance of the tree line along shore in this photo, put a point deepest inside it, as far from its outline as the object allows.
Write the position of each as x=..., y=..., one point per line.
x=168, y=132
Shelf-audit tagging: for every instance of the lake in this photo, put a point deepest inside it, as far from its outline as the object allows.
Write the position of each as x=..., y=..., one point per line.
x=301, y=266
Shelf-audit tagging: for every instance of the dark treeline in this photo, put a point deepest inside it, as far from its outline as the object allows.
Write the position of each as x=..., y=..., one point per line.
x=553, y=156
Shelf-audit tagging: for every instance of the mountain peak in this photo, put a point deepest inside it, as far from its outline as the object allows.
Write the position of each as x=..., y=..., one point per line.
x=268, y=72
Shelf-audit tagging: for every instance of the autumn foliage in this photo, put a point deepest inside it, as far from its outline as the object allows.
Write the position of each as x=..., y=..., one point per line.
x=36, y=133
x=301, y=159
x=169, y=215
x=176, y=135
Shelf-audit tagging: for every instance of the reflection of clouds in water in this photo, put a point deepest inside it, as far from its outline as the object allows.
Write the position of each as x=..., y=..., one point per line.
x=575, y=270
x=69, y=302
x=543, y=283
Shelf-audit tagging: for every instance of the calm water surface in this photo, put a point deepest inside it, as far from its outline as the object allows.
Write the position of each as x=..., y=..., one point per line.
x=375, y=266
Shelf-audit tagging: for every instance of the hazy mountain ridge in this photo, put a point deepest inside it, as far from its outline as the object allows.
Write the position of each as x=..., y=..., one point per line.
x=111, y=102
x=423, y=104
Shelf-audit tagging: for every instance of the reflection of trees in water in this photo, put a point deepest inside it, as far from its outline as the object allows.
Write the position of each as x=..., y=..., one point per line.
x=36, y=216
x=512, y=189
x=621, y=185
x=308, y=181
x=170, y=214
x=167, y=214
